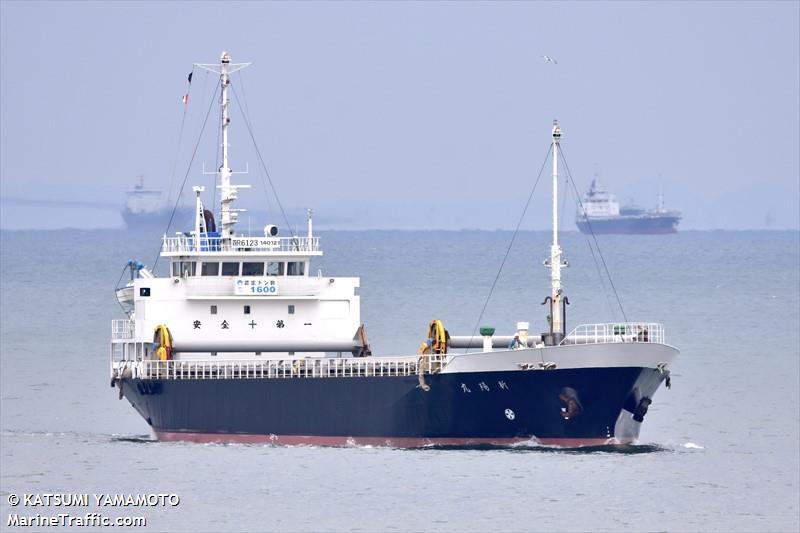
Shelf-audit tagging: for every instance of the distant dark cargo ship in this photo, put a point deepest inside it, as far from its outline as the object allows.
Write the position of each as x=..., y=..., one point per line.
x=146, y=208
x=599, y=212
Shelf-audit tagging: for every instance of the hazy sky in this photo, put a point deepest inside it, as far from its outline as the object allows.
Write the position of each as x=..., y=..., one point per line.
x=412, y=115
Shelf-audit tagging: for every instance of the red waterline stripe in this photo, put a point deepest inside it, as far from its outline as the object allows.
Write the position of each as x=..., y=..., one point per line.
x=394, y=442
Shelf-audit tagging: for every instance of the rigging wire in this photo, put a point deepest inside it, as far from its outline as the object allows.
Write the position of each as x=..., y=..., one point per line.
x=246, y=108
x=246, y=111
x=188, y=169
x=217, y=154
x=563, y=207
x=178, y=151
x=264, y=166
x=180, y=141
x=594, y=238
x=602, y=281
x=510, y=245
x=600, y=276
x=117, y=287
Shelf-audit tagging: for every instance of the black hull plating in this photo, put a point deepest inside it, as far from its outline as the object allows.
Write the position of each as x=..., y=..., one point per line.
x=559, y=406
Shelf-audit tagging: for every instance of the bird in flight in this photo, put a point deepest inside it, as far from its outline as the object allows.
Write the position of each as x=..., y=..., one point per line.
x=549, y=59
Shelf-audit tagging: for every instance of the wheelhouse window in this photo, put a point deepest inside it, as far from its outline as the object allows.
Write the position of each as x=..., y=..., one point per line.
x=183, y=268
x=295, y=268
x=275, y=268
x=210, y=269
x=252, y=269
x=230, y=269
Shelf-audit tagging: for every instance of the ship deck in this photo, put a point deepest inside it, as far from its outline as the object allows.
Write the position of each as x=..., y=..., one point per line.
x=135, y=359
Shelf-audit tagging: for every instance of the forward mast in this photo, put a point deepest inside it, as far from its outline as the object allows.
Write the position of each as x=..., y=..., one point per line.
x=555, y=262
x=228, y=191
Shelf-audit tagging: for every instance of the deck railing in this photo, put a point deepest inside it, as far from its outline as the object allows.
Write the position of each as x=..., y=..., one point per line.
x=327, y=367
x=186, y=243
x=122, y=330
x=616, y=332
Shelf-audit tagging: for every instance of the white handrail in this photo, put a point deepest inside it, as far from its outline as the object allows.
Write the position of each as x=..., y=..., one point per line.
x=184, y=243
x=326, y=367
x=122, y=329
x=616, y=332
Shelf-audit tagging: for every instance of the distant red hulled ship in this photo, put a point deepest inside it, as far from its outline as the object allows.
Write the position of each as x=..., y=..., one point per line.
x=599, y=212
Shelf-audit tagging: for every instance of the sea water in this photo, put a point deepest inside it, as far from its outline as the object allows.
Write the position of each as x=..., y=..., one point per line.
x=718, y=452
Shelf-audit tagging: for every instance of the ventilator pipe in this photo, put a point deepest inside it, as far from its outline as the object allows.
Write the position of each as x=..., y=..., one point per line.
x=288, y=345
x=498, y=341
x=487, y=332
x=487, y=343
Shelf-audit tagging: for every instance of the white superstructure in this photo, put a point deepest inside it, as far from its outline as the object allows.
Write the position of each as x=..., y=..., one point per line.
x=598, y=202
x=143, y=200
x=231, y=296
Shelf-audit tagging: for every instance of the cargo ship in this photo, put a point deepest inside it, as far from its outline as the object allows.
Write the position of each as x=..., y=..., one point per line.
x=599, y=213
x=148, y=208
x=240, y=342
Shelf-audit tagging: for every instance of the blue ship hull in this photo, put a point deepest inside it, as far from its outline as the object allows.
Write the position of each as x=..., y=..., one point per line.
x=630, y=225
x=570, y=407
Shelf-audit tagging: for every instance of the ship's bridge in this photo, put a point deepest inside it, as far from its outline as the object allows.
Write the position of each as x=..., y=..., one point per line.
x=597, y=202
x=212, y=257
x=186, y=245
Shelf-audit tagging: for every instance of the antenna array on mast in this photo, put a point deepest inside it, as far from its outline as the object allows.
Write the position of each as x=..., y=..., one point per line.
x=228, y=195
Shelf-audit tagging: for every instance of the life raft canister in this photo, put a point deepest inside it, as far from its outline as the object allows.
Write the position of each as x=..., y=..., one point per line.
x=162, y=338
